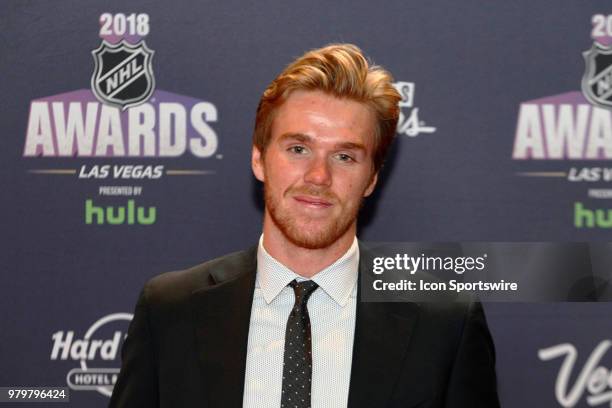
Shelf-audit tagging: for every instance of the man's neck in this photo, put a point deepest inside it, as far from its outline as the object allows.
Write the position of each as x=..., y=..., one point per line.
x=303, y=261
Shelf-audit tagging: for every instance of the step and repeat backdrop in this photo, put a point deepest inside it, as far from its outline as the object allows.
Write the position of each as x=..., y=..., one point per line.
x=125, y=152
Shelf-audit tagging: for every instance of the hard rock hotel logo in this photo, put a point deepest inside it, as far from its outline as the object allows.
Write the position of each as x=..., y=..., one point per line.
x=575, y=126
x=96, y=353
x=120, y=116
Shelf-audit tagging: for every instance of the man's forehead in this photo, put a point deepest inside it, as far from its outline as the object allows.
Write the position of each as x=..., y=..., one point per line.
x=310, y=115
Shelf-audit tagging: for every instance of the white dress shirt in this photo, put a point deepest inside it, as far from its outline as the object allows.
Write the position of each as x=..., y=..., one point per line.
x=332, y=309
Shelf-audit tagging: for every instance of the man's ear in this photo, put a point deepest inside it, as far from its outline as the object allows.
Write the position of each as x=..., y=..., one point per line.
x=371, y=186
x=257, y=164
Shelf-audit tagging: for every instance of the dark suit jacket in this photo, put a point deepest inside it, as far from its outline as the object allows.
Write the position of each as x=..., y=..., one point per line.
x=187, y=345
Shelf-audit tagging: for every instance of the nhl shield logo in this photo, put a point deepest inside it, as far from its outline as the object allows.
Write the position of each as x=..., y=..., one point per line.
x=123, y=74
x=597, y=79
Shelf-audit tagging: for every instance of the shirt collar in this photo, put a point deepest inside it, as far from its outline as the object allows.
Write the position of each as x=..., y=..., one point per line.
x=337, y=280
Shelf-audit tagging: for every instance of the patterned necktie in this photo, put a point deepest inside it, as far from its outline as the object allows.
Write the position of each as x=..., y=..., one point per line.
x=297, y=364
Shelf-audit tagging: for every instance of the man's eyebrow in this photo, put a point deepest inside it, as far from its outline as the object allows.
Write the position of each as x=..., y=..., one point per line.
x=300, y=137
x=350, y=146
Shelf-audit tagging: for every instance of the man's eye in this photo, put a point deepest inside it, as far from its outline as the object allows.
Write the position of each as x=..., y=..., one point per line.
x=344, y=157
x=297, y=149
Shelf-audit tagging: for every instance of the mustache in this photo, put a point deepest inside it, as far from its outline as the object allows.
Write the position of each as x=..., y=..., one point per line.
x=323, y=193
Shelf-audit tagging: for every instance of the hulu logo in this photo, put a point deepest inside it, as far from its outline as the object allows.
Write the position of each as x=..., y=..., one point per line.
x=129, y=214
x=583, y=217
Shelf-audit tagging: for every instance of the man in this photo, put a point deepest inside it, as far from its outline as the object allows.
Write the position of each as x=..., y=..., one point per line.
x=281, y=324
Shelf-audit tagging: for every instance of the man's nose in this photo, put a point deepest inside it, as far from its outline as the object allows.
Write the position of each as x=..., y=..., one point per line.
x=318, y=172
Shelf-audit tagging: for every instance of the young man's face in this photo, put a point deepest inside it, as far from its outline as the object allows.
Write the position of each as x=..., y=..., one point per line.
x=317, y=168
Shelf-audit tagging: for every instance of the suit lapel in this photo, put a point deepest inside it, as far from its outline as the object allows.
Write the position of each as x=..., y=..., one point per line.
x=382, y=334
x=221, y=315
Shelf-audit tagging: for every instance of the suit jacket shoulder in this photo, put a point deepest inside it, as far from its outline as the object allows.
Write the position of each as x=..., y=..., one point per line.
x=177, y=286
x=185, y=342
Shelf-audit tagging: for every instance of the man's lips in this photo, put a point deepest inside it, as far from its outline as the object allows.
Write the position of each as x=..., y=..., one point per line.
x=316, y=202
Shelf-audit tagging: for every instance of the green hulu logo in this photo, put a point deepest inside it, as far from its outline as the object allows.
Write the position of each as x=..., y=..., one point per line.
x=129, y=214
x=583, y=217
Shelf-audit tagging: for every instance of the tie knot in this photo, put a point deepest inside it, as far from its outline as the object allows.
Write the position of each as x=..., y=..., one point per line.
x=302, y=291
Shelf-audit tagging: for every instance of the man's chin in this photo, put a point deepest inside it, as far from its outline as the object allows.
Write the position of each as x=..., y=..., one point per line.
x=310, y=242
x=311, y=237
